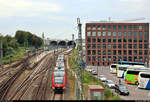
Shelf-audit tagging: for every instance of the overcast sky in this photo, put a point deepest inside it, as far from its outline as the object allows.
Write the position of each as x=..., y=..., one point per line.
x=57, y=18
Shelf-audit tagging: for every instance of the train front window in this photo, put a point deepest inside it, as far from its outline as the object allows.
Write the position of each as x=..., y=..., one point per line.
x=59, y=73
x=59, y=80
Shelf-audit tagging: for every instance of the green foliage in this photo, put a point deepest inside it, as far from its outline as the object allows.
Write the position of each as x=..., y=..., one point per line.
x=107, y=93
x=28, y=39
x=116, y=98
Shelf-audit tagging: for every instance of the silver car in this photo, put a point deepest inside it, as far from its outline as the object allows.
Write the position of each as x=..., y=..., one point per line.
x=110, y=84
x=102, y=78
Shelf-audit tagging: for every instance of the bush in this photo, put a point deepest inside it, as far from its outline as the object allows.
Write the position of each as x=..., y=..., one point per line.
x=107, y=93
x=116, y=98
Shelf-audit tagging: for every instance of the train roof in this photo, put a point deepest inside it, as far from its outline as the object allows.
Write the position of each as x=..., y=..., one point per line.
x=59, y=73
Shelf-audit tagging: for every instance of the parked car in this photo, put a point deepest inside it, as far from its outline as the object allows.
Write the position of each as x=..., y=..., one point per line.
x=102, y=78
x=94, y=72
x=121, y=89
x=110, y=84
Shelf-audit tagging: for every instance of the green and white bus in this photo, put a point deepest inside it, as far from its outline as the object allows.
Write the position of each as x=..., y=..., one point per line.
x=131, y=74
x=121, y=69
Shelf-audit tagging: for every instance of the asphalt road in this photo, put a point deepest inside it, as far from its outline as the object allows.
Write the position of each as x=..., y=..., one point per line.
x=135, y=92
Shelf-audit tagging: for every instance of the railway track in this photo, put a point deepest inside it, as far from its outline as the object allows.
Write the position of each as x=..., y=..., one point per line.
x=57, y=96
x=41, y=73
x=6, y=84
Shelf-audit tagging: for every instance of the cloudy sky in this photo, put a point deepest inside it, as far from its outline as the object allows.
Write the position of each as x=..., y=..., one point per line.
x=57, y=18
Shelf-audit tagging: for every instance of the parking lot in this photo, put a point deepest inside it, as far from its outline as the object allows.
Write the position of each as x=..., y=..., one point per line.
x=135, y=92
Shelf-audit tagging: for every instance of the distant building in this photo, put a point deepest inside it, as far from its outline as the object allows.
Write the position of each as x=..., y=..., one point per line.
x=110, y=42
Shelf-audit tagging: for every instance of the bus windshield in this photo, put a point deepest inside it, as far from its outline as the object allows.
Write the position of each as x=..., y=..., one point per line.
x=145, y=75
x=133, y=72
x=113, y=66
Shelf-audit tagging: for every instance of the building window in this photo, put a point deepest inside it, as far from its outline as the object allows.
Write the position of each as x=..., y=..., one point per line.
x=99, y=58
x=145, y=39
x=140, y=58
x=109, y=39
x=119, y=52
x=124, y=40
x=88, y=33
x=119, y=27
x=129, y=27
x=104, y=46
x=89, y=46
x=98, y=33
x=130, y=58
x=94, y=27
x=135, y=58
x=94, y=40
x=125, y=34
x=109, y=27
x=119, y=40
x=125, y=52
x=89, y=27
x=104, y=58
x=94, y=46
x=114, y=27
x=99, y=52
x=109, y=52
x=114, y=45
x=109, y=33
x=130, y=46
x=89, y=52
x=124, y=45
x=93, y=52
x=140, y=52
x=129, y=34
x=119, y=46
x=140, y=27
x=114, y=39
x=145, y=27
x=135, y=27
x=89, y=39
x=135, y=46
x=130, y=52
x=135, y=52
x=109, y=58
x=89, y=58
x=98, y=40
x=98, y=27
x=114, y=34
x=145, y=52
x=93, y=33
x=135, y=39
x=125, y=27
x=135, y=34
x=125, y=58
x=119, y=58
x=104, y=52
x=129, y=39
x=93, y=58
x=104, y=33
x=98, y=46
x=119, y=33
x=104, y=40
x=145, y=46
x=109, y=46
x=104, y=28
x=114, y=58
x=114, y=52
x=140, y=46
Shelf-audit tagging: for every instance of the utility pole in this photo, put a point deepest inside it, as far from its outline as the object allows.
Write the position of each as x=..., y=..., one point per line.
x=73, y=42
x=80, y=60
x=1, y=49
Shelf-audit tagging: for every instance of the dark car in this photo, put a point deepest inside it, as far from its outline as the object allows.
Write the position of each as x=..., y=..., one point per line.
x=121, y=89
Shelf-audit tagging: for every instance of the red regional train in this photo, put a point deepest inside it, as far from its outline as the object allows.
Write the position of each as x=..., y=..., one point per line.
x=58, y=80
